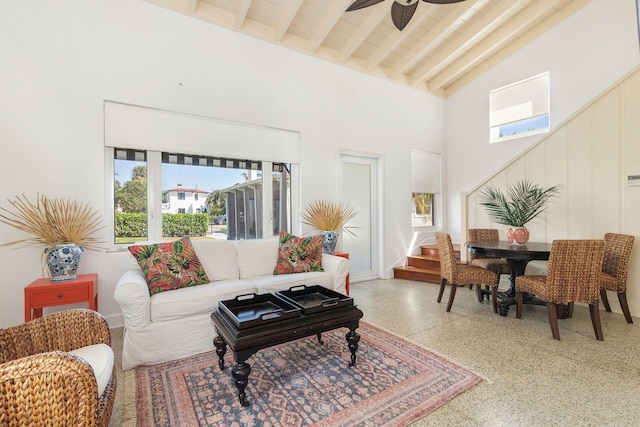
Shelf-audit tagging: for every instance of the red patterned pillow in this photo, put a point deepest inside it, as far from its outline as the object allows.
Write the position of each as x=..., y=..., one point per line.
x=171, y=265
x=299, y=254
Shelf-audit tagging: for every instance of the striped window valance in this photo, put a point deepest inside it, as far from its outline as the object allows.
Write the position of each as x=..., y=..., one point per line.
x=197, y=160
x=128, y=154
x=216, y=162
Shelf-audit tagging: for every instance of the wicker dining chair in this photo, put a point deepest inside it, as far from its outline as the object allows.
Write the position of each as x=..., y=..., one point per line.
x=573, y=275
x=617, y=251
x=42, y=383
x=497, y=265
x=462, y=274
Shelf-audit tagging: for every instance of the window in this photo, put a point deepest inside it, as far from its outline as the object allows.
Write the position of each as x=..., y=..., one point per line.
x=520, y=109
x=425, y=189
x=422, y=209
x=145, y=182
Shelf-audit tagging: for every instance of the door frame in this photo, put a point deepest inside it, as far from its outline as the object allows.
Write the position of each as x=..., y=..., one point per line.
x=376, y=161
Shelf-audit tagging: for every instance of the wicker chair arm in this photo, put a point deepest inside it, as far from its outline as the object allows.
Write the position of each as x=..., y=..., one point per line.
x=63, y=331
x=49, y=388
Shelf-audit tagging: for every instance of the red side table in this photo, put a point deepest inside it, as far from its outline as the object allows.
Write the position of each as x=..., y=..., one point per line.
x=344, y=255
x=45, y=293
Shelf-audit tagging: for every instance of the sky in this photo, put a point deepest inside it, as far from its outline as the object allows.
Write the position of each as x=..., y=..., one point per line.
x=203, y=178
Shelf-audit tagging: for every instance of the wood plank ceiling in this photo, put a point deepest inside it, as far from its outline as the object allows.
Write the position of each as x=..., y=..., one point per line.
x=442, y=48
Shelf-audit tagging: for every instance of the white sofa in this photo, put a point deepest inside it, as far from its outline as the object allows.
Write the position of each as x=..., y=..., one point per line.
x=175, y=324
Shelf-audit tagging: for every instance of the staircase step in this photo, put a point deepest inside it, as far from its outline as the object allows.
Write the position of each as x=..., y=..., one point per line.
x=424, y=261
x=418, y=274
x=432, y=250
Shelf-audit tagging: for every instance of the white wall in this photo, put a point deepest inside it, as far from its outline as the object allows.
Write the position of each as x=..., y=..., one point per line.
x=584, y=54
x=60, y=60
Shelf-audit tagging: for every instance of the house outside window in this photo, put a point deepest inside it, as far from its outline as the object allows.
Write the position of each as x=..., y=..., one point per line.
x=181, y=195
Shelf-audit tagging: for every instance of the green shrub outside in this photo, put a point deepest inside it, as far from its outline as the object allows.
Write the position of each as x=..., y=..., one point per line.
x=134, y=225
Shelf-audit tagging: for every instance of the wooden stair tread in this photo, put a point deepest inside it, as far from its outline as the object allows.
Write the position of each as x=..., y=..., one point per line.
x=424, y=267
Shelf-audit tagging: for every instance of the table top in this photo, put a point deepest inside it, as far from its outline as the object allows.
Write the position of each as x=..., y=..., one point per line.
x=504, y=249
x=45, y=282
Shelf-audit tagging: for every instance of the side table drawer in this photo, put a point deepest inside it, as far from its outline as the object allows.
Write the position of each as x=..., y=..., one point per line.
x=60, y=296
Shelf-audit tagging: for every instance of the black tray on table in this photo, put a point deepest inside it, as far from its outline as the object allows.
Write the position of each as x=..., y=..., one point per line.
x=314, y=299
x=247, y=311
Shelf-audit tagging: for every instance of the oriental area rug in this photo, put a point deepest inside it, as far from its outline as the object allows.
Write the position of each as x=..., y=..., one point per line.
x=301, y=383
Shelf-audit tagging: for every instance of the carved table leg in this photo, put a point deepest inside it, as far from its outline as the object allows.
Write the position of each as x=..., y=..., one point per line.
x=352, y=339
x=320, y=339
x=240, y=372
x=221, y=349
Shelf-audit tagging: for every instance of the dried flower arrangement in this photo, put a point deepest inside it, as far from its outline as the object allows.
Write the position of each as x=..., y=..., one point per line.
x=52, y=222
x=328, y=216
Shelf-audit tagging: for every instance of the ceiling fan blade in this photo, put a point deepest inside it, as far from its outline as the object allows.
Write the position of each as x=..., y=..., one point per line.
x=401, y=15
x=361, y=4
x=443, y=1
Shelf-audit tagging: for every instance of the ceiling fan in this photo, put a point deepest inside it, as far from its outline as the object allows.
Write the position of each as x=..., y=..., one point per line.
x=401, y=10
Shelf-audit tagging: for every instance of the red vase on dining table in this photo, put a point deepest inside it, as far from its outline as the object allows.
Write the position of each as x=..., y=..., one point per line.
x=518, y=235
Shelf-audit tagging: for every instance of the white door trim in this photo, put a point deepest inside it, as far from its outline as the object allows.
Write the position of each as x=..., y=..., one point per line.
x=376, y=162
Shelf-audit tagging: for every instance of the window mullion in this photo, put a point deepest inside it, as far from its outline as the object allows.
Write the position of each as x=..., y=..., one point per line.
x=267, y=200
x=154, y=195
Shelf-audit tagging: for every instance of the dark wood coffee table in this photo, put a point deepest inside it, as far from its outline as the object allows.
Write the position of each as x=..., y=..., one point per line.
x=244, y=342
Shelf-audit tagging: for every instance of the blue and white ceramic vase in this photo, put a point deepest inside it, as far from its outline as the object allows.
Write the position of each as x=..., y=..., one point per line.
x=330, y=241
x=63, y=261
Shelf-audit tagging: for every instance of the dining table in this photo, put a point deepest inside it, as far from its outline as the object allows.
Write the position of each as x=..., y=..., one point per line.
x=517, y=256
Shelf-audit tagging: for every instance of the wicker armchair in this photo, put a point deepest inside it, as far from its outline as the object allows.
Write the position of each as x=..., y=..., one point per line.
x=461, y=275
x=497, y=265
x=573, y=275
x=617, y=251
x=44, y=385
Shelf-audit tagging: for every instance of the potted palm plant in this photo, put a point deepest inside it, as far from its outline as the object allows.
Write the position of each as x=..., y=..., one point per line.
x=523, y=202
x=64, y=227
x=329, y=218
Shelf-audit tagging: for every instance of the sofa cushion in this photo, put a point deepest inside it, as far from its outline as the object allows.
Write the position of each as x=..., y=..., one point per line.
x=257, y=257
x=298, y=254
x=218, y=257
x=203, y=299
x=100, y=358
x=170, y=265
x=283, y=282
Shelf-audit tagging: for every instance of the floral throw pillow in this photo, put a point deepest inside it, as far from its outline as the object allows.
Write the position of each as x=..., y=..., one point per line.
x=299, y=254
x=171, y=265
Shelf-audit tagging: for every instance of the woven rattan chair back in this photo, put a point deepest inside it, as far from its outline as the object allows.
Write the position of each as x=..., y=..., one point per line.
x=573, y=275
x=574, y=269
x=617, y=252
x=448, y=262
x=615, y=267
x=481, y=235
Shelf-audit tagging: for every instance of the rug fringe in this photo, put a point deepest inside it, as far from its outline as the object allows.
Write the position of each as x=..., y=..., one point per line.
x=437, y=353
x=129, y=405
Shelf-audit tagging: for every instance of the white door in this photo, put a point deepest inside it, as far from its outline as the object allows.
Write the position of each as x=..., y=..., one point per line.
x=359, y=188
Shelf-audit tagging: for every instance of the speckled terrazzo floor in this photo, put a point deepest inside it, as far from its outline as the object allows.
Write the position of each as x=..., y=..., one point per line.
x=530, y=379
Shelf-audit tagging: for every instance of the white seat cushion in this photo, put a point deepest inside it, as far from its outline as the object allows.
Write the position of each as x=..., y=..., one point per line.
x=194, y=300
x=100, y=358
x=282, y=282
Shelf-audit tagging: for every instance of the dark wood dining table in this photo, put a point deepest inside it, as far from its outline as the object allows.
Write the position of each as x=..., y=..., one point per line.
x=517, y=256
